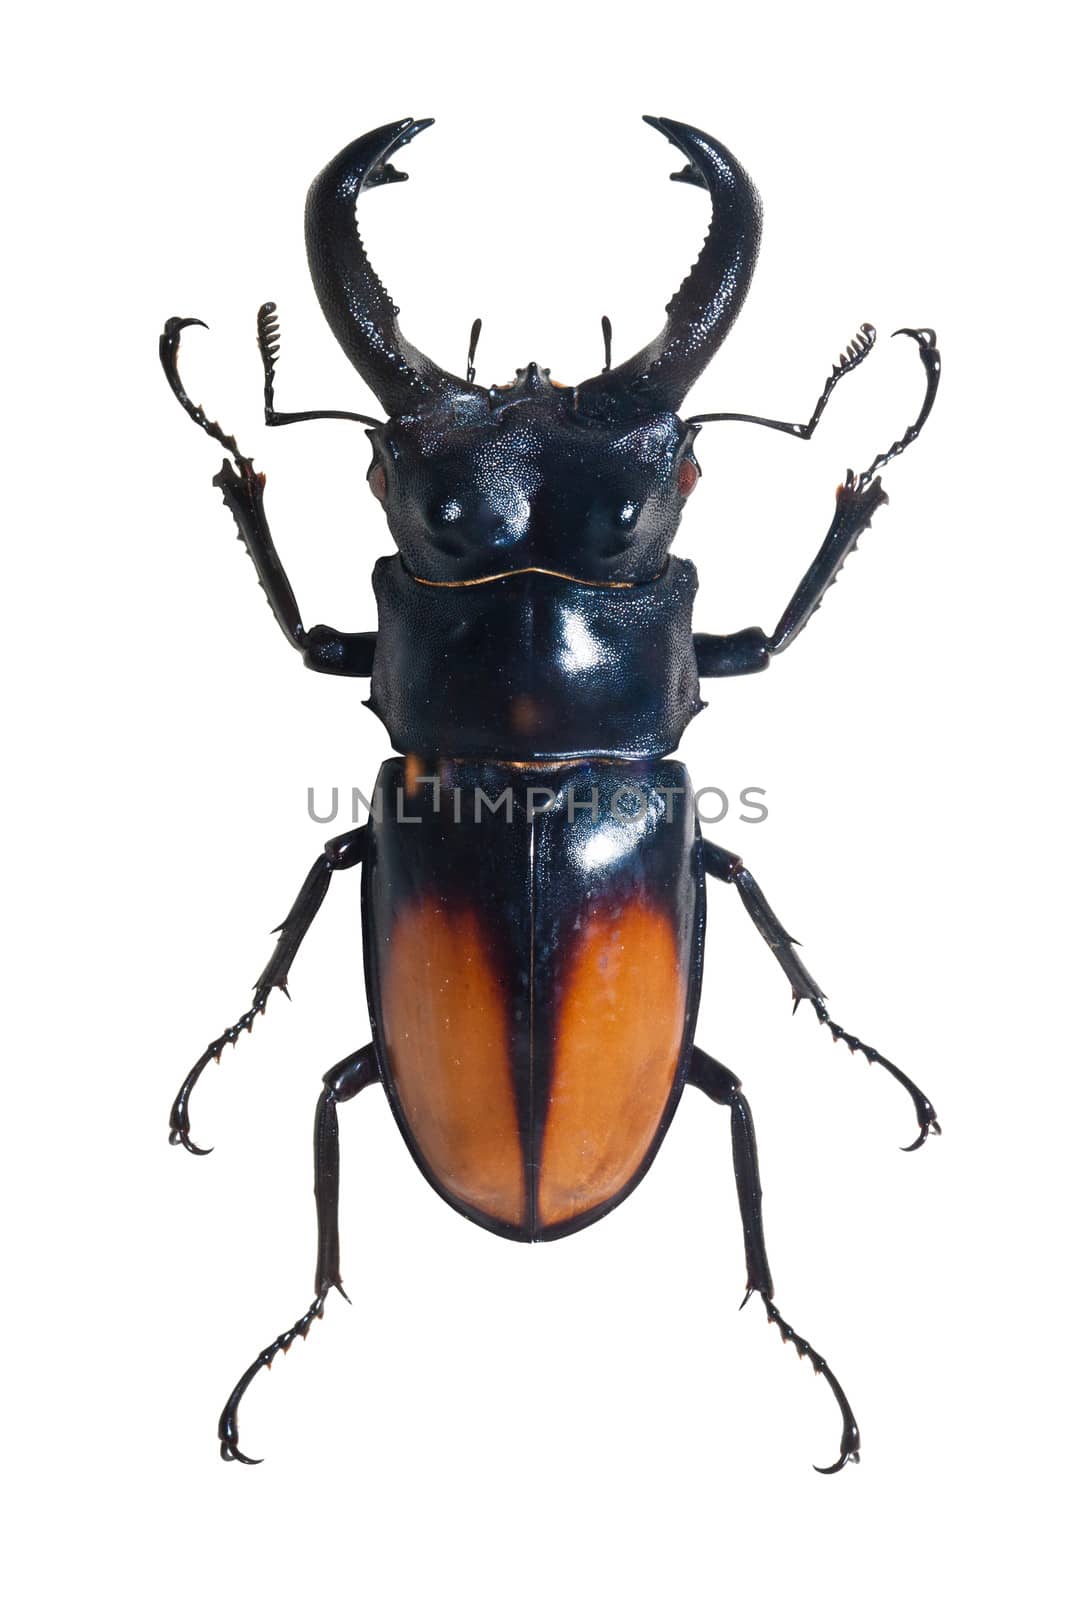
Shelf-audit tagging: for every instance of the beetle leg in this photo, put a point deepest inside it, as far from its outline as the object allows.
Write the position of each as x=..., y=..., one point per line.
x=719, y=863
x=857, y=501
x=340, y=853
x=750, y=650
x=858, y=498
x=343, y=1082
x=721, y=1086
x=930, y=356
x=324, y=649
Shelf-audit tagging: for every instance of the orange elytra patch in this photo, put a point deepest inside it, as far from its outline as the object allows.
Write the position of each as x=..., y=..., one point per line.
x=446, y=1039
x=619, y=1036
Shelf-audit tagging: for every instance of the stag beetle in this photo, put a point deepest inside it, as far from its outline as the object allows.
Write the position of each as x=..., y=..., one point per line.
x=533, y=944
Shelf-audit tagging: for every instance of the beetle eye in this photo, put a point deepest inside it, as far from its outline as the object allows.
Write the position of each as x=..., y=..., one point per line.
x=688, y=477
x=376, y=481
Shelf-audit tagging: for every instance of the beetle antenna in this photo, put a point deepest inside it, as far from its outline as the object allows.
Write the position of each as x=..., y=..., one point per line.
x=269, y=339
x=605, y=328
x=476, y=333
x=856, y=351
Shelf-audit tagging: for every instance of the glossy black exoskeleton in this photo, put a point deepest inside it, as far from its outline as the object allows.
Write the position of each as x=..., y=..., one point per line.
x=533, y=871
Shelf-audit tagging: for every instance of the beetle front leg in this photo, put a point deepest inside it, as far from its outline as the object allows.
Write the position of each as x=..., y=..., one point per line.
x=324, y=649
x=751, y=650
x=719, y=863
x=720, y=1085
x=858, y=498
x=340, y=853
x=342, y=1082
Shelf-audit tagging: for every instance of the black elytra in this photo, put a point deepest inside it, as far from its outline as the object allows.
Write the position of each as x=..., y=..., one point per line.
x=533, y=870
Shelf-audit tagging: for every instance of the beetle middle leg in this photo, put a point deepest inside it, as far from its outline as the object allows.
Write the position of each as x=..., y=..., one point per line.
x=719, y=863
x=342, y=1082
x=340, y=853
x=720, y=1085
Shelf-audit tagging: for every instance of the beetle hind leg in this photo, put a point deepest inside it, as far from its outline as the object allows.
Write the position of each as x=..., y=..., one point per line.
x=342, y=1082
x=720, y=1085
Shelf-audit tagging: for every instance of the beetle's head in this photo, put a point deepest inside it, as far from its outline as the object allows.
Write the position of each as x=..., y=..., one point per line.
x=587, y=480
x=520, y=475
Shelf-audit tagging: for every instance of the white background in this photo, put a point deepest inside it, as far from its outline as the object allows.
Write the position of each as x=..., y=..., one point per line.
x=592, y=1418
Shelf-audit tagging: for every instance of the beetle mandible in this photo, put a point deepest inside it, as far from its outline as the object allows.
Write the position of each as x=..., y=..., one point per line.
x=533, y=948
